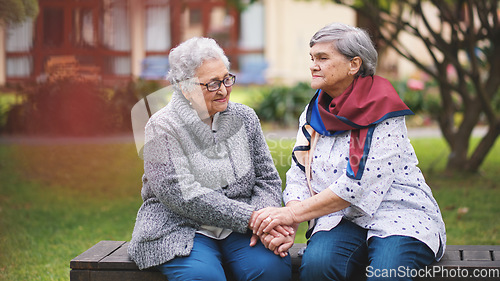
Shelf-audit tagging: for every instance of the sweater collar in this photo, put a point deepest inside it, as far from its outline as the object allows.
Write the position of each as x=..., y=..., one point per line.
x=227, y=122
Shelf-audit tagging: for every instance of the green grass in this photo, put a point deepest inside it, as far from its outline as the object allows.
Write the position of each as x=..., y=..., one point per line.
x=469, y=203
x=58, y=200
x=7, y=100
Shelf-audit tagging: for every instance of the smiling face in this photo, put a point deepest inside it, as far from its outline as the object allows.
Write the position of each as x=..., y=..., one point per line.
x=331, y=71
x=214, y=70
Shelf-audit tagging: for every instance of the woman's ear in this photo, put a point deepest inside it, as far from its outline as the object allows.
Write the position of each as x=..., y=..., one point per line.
x=186, y=89
x=193, y=92
x=356, y=63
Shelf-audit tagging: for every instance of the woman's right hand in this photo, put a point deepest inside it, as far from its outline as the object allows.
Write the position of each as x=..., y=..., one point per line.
x=278, y=243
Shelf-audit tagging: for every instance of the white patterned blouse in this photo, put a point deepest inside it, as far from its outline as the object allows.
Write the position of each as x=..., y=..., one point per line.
x=391, y=198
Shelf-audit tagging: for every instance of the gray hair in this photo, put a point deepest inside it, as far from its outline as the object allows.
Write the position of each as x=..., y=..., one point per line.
x=186, y=58
x=350, y=42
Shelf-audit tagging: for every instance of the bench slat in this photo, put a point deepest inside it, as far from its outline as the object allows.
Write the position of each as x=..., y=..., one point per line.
x=90, y=259
x=477, y=256
x=119, y=259
x=79, y=275
x=116, y=275
x=451, y=255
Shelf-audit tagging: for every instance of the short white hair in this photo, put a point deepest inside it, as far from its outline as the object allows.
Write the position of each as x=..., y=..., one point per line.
x=186, y=58
x=350, y=42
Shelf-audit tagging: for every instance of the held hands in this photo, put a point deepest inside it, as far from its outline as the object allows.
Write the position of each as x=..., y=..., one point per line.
x=275, y=227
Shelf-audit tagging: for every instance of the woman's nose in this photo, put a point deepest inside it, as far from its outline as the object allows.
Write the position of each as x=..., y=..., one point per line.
x=223, y=89
x=313, y=66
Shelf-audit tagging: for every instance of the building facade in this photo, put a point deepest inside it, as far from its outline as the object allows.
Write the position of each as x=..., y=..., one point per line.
x=118, y=40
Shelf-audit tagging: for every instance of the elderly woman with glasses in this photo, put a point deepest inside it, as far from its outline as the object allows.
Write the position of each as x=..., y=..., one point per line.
x=207, y=169
x=355, y=177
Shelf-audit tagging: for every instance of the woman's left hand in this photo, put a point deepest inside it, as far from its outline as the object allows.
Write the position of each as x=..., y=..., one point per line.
x=264, y=220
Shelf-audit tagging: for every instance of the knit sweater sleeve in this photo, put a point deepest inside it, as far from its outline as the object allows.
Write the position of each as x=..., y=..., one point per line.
x=170, y=178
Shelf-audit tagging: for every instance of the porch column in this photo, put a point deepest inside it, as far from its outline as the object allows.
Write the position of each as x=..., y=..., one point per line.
x=137, y=52
x=3, y=67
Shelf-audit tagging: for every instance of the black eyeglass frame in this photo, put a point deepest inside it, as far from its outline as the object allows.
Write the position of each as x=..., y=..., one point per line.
x=231, y=79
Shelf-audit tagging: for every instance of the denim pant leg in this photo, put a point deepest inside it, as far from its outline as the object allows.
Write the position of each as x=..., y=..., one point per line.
x=338, y=254
x=203, y=263
x=253, y=263
x=396, y=257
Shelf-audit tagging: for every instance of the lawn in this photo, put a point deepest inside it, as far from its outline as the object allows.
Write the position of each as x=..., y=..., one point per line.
x=57, y=200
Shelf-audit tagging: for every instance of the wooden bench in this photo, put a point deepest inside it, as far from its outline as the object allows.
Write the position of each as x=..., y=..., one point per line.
x=109, y=261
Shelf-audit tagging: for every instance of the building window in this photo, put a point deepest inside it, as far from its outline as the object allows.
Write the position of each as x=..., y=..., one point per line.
x=221, y=22
x=19, y=43
x=115, y=36
x=191, y=25
x=158, y=35
x=251, y=62
x=19, y=67
x=83, y=28
x=114, y=25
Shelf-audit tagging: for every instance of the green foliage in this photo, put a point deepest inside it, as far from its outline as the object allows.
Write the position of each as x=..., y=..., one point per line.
x=432, y=105
x=17, y=11
x=72, y=108
x=413, y=99
x=426, y=101
x=284, y=105
x=384, y=5
x=142, y=88
x=7, y=100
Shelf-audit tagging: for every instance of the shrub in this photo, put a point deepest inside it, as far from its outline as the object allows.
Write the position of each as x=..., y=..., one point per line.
x=69, y=107
x=284, y=105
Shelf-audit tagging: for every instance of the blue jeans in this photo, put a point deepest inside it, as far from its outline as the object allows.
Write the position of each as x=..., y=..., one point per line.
x=344, y=254
x=209, y=257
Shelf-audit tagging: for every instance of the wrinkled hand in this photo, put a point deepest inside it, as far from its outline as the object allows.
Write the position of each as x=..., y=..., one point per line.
x=275, y=236
x=278, y=243
x=273, y=233
x=253, y=240
x=264, y=220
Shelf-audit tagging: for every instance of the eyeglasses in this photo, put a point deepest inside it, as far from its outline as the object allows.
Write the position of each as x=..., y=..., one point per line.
x=215, y=85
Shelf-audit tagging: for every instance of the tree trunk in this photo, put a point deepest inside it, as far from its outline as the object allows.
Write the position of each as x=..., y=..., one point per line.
x=483, y=148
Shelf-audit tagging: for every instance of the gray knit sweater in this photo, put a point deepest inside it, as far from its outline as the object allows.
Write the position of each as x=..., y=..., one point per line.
x=193, y=177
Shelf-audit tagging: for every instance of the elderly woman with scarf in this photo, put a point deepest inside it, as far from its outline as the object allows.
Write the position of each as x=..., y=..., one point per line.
x=207, y=169
x=355, y=177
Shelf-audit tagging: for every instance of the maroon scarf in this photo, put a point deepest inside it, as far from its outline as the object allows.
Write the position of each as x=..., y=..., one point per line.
x=365, y=103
